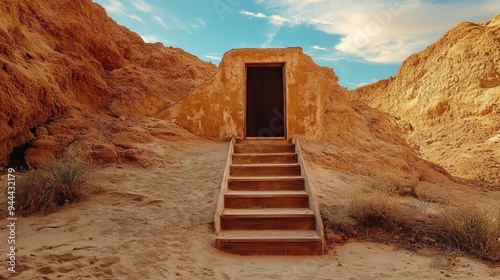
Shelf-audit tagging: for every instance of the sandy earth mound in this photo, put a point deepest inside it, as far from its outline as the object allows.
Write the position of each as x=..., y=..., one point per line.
x=447, y=99
x=66, y=63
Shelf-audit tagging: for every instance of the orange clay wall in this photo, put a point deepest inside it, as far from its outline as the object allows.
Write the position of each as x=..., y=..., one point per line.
x=216, y=109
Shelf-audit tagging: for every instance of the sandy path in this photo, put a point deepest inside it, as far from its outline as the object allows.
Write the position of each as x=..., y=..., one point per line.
x=156, y=223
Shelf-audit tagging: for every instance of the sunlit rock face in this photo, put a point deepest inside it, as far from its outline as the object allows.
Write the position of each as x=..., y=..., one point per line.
x=448, y=97
x=64, y=63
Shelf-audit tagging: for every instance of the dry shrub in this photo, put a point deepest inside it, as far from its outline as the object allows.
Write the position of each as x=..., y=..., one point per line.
x=472, y=230
x=375, y=208
x=44, y=190
x=388, y=184
x=433, y=193
x=73, y=173
x=463, y=227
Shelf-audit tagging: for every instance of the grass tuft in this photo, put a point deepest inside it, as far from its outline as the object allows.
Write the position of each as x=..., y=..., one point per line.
x=45, y=190
x=375, y=209
x=472, y=230
x=465, y=227
x=394, y=186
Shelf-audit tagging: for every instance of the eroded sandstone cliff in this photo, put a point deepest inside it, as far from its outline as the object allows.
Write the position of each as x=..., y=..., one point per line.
x=65, y=64
x=447, y=98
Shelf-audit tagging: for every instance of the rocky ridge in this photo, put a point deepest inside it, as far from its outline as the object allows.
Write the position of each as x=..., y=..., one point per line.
x=68, y=72
x=446, y=98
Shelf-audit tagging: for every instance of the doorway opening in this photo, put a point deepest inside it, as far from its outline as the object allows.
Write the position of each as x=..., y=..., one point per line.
x=265, y=101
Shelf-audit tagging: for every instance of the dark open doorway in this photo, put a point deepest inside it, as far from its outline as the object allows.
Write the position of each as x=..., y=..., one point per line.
x=265, y=108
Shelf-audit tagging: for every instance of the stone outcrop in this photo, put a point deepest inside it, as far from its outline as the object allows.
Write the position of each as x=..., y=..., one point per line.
x=447, y=98
x=68, y=62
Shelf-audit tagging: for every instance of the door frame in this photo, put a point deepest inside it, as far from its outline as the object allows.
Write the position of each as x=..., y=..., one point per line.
x=285, y=121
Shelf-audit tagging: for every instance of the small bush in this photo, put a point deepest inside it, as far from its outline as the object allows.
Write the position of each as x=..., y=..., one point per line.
x=46, y=189
x=375, y=208
x=473, y=230
x=464, y=227
x=72, y=173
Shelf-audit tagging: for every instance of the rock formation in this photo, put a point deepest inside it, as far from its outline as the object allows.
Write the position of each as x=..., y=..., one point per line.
x=65, y=64
x=447, y=99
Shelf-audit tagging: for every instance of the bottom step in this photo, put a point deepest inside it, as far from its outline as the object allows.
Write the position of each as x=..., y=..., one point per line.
x=270, y=242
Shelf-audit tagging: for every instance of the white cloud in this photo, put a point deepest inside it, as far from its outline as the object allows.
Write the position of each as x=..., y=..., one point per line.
x=136, y=17
x=318, y=48
x=364, y=84
x=169, y=21
x=333, y=56
x=201, y=22
x=276, y=22
x=270, y=35
x=155, y=39
x=161, y=21
x=274, y=19
x=142, y=6
x=378, y=30
x=255, y=15
x=114, y=6
x=213, y=57
x=181, y=25
x=150, y=38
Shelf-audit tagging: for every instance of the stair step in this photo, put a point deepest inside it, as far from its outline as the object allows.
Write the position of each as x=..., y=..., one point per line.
x=269, y=235
x=270, y=242
x=265, y=169
x=291, y=183
x=275, y=247
x=266, y=199
x=269, y=148
x=263, y=141
x=265, y=158
x=289, y=212
x=268, y=219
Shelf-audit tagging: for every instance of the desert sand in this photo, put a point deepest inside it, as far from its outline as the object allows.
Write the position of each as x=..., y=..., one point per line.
x=153, y=219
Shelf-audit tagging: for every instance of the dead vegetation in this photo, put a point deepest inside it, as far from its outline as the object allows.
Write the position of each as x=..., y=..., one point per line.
x=63, y=181
x=473, y=230
x=376, y=208
x=416, y=219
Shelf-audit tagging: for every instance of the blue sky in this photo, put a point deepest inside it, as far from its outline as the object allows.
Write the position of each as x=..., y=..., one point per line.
x=362, y=40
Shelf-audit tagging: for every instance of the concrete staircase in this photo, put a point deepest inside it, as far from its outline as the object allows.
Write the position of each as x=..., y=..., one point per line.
x=266, y=206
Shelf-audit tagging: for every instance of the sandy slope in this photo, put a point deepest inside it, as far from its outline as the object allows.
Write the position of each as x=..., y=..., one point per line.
x=156, y=223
